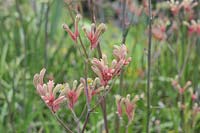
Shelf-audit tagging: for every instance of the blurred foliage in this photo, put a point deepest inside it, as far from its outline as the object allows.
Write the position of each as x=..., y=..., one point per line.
x=28, y=28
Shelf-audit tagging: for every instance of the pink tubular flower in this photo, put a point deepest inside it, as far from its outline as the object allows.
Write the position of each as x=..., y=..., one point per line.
x=106, y=73
x=91, y=85
x=130, y=106
x=73, y=94
x=188, y=5
x=174, y=7
x=120, y=54
x=100, y=67
x=94, y=34
x=194, y=95
x=158, y=31
x=180, y=89
x=193, y=28
x=48, y=92
x=74, y=35
x=119, y=101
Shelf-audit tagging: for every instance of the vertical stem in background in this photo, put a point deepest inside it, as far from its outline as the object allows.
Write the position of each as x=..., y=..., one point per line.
x=149, y=69
x=46, y=35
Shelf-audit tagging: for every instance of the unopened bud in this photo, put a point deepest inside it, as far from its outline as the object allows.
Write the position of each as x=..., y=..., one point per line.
x=65, y=26
x=78, y=17
x=75, y=84
x=101, y=28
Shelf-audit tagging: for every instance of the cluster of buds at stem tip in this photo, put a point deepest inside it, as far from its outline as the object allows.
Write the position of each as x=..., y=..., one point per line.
x=93, y=87
x=193, y=28
x=102, y=69
x=72, y=94
x=48, y=92
x=180, y=89
x=74, y=35
x=128, y=104
x=54, y=96
x=187, y=5
x=159, y=30
x=94, y=34
x=174, y=7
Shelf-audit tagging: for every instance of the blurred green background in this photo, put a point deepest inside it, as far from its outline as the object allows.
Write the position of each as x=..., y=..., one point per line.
x=31, y=37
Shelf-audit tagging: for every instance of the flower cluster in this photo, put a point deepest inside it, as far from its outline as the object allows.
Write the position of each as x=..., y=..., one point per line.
x=74, y=35
x=94, y=34
x=129, y=105
x=159, y=30
x=48, y=91
x=180, y=89
x=106, y=73
x=49, y=94
x=187, y=5
x=72, y=94
x=174, y=7
x=193, y=28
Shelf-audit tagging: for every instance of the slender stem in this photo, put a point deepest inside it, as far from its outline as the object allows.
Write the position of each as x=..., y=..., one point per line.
x=127, y=126
x=84, y=49
x=80, y=40
x=187, y=55
x=46, y=35
x=149, y=69
x=77, y=120
x=86, y=121
x=86, y=75
x=62, y=123
x=86, y=84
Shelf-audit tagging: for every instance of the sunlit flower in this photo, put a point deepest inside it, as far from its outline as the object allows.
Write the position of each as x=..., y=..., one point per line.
x=74, y=35
x=101, y=68
x=72, y=94
x=48, y=91
x=94, y=34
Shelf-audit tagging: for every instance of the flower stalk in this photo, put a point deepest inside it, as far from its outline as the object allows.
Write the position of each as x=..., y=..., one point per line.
x=149, y=68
